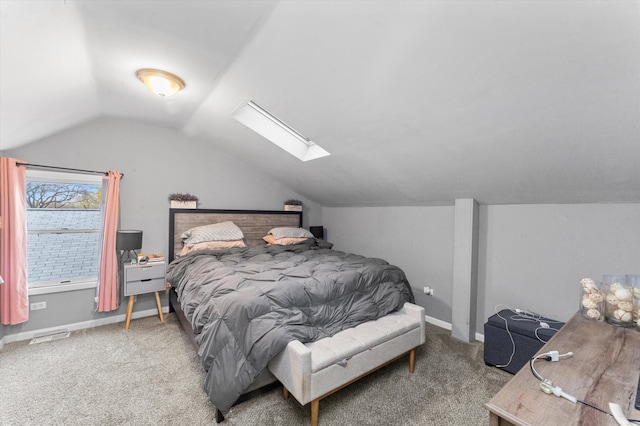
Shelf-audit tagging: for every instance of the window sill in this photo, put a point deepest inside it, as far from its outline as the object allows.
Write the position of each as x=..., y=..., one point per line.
x=59, y=288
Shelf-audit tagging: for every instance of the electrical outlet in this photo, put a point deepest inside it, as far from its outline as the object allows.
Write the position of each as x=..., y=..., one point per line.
x=38, y=305
x=428, y=291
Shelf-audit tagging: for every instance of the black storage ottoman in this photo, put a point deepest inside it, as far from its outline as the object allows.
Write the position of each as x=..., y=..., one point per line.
x=522, y=327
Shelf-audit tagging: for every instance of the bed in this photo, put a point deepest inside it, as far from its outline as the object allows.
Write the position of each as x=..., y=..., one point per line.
x=241, y=306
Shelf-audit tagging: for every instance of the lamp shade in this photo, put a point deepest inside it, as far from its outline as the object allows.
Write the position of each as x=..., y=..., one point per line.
x=129, y=239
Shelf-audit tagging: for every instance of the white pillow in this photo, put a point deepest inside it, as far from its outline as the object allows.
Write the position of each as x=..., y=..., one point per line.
x=212, y=245
x=290, y=233
x=223, y=231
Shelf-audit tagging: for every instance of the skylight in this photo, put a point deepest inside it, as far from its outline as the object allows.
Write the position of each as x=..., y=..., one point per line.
x=275, y=130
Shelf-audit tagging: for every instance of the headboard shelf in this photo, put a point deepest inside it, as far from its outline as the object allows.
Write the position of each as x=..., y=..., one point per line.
x=254, y=223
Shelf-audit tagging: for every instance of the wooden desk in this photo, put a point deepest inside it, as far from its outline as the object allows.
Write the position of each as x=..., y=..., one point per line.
x=604, y=368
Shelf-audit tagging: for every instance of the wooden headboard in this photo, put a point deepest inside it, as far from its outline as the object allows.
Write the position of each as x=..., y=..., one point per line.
x=254, y=223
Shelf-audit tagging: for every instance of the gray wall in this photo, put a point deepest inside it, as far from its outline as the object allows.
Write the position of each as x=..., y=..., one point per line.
x=530, y=256
x=156, y=161
x=533, y=256
x=417, y=239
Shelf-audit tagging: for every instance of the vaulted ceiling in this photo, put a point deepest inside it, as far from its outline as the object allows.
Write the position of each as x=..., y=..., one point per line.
x=418, y=102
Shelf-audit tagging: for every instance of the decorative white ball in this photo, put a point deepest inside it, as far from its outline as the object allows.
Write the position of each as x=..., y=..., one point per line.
x=612, y=299
x=588, y=285
x=636, y=292
x=625, y=306
x=615, y=286
x=596, y=297
x=593, y=314
x=624, y=294
x=621, y=315
x=588, y=303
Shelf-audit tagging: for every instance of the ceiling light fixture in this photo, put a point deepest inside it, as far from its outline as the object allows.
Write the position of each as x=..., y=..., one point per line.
x=275, y=130
x=162, y=83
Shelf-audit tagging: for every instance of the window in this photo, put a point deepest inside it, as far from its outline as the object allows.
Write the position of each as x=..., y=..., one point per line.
x=63, y=229
x=278, y=132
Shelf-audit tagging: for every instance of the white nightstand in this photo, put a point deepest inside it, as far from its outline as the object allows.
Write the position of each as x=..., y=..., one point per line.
x=140, y=279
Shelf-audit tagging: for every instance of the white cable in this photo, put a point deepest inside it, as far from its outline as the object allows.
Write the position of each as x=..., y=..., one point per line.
x=553, y=355
x=513, y=343
x=559, y=392
x=539, y=338
x=547, y=385
x=617, y=413
x=533, y=368
x=522, y=315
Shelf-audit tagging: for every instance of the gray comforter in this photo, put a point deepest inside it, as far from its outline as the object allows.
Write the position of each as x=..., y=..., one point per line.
x=246, y=304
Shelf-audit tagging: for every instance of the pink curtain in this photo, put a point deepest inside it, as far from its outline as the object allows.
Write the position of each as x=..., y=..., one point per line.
x=14, y=296
x=108, y=294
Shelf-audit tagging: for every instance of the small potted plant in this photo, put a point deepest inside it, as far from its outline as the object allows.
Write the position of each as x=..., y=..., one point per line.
x=293, y=206
x=183, y=201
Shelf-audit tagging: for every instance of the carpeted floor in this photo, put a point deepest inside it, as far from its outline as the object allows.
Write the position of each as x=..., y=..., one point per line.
x=150, y=375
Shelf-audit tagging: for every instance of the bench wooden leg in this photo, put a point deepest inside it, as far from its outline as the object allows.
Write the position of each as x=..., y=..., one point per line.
x=315, y=407
x=412, y=360
x=285, y=392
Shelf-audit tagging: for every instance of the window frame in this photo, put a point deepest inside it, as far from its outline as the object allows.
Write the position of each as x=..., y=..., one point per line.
x=78, y=283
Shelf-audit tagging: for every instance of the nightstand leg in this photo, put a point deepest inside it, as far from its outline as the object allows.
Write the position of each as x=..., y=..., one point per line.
x=129, y=311
x=159, y=306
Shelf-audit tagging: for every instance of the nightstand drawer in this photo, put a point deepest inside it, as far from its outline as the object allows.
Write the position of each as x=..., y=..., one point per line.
x=143, y=272
x=144, y=286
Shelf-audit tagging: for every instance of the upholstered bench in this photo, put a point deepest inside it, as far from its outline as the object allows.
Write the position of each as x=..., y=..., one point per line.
x=315, y=370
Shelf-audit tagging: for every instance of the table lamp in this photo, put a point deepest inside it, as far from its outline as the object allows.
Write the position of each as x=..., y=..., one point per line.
x=127, y=241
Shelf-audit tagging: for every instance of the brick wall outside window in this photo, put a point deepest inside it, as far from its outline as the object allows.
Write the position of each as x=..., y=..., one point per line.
x=62, y=256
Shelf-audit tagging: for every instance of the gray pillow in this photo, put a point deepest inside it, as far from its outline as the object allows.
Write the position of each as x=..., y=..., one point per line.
x=223, y=231
x=290, y=233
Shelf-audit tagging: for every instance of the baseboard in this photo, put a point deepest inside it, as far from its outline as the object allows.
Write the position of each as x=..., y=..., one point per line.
x=438, y=323
x=28, y=335
x=447, y=326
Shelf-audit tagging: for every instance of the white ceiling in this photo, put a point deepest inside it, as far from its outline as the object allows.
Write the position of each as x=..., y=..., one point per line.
x=419, y=102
